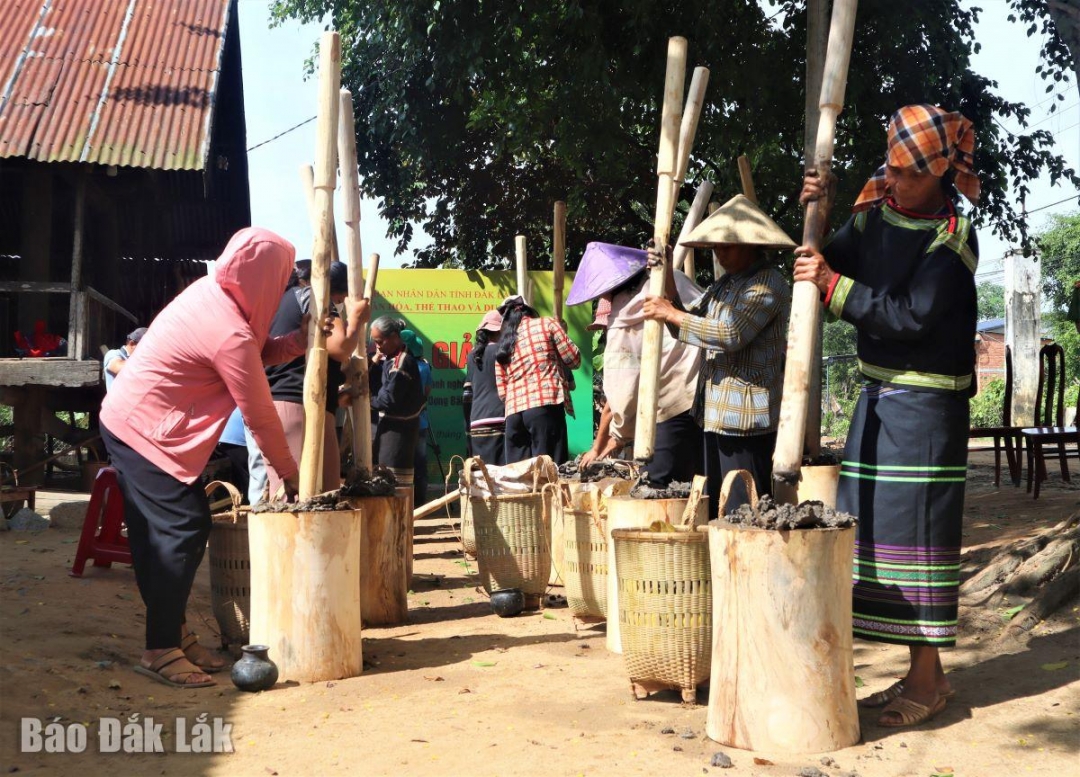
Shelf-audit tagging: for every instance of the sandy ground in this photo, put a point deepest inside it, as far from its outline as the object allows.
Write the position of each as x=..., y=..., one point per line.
x=458, y=691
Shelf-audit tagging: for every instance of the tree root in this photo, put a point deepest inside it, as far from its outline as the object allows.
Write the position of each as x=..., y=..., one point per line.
x=1057, y=593
x=1046, y=567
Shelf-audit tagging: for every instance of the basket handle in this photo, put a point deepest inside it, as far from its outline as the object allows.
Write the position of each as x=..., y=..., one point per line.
x=594, y=507
x=234, y=495
x=729, y=479
x=487, y=475
x=690, y=511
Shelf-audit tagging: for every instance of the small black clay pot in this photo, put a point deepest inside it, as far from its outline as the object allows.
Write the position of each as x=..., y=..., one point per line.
x=254, y=671
x=507, y=602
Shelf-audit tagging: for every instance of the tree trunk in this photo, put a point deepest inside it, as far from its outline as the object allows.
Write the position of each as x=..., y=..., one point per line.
x=783, y=675
x=305, y=592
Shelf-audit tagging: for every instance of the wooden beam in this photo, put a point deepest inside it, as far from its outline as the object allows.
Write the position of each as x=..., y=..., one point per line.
x=558, y=258
x=76, y=305
x=1023, y=293
x=100, y=298
x=50, y=372
x=521, y=263
x=35, y=287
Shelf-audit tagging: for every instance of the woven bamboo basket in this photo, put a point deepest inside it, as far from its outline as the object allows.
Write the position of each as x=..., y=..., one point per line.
x=665, y=608
x=513, y=548
x=585, y=565
x=230, y=569
x=468, y=529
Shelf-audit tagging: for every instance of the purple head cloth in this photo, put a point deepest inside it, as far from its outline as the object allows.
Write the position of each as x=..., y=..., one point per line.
x=604, y=267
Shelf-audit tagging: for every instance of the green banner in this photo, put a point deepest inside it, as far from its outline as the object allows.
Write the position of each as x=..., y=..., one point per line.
x=444, y=308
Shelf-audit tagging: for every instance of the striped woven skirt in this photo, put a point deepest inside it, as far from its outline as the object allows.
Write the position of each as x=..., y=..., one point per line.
x=903, y=476
x=395, y=447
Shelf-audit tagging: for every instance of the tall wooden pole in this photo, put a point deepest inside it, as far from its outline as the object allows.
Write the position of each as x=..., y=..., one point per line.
x=746, y=178
x=307, y=181
x=683, y=254
x=805, y=303
x=372, y=276
x=558, y=258
x=695, y=100
x=666, y=167
x=817, y=39
x=311, y=459
x=522, y=266
x=350, y=189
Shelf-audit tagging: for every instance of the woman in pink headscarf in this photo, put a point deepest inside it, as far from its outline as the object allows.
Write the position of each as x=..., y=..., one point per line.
x=202, y=356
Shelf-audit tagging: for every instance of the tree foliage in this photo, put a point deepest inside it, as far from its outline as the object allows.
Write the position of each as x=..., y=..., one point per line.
x=1059, y=253
x=474, y=116
x=991, y=300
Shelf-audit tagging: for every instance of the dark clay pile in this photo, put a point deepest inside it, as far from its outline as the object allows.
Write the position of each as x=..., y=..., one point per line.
x=645, y=490
x=808, y=515
x=598, y=470
x=379, y=482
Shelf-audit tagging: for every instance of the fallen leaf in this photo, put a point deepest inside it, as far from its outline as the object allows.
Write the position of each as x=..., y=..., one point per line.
x=21, y=542
x=435, y=679
x=1055, y=666
x=549, y=616
x=270, y=771
x=484, y=663
x=464, y=690
x=114, y=684
x=422, y=741
x=763, y=762
x=942, y=771
x=1010, y=613
x=859, y=682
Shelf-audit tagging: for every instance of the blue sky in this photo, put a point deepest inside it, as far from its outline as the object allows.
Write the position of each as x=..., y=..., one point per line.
x=276, y=97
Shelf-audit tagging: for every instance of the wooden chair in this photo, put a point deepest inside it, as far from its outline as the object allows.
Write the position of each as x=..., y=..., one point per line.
x=1050, y=417
x=1006, y=436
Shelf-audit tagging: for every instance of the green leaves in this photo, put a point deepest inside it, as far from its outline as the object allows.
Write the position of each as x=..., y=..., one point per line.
x=473, y=118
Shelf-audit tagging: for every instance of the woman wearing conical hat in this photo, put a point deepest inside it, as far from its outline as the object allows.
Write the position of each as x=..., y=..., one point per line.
x=902, y=271
x=741, y=323
x=617, y=277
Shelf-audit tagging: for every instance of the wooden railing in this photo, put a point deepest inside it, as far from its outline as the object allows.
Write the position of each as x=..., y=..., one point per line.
x=94, y=319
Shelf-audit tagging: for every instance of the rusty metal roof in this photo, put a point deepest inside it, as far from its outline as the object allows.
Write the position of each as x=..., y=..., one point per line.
x=121, y=82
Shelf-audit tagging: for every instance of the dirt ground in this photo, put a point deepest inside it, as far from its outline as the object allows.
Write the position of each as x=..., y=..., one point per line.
x=458, y=691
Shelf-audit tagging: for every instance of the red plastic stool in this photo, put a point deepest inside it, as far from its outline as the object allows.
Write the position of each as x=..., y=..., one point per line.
x=101, y=539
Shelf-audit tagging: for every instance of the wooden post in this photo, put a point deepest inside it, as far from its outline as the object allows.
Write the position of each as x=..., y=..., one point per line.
x=817, y=39
x=1023, y=294
x=783, y=677
x=683, y=254
x=350, y=188
x=746, y=178
x=805, y=303
x=558, y=259
x=521, y=264
x=305, y=591
x=77, y=345
x=311, y=459
x=666, y=164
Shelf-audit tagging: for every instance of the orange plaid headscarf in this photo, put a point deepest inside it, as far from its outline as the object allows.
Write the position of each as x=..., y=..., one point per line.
x=931, y=140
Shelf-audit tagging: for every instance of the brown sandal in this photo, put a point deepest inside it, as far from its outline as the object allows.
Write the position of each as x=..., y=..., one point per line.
x=911, y=713
x=157, y=668
x=881, y=698
x=194, y=652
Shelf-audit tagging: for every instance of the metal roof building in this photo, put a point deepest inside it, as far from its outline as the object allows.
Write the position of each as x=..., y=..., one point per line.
x=123, y=167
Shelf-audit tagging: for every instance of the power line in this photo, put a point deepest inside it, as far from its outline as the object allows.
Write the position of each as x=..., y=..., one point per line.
x=281, y=134
x=1052, y=204
x=1047, y=118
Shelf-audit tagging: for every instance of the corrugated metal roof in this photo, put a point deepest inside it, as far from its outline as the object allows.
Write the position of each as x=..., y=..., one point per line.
x=120, y=82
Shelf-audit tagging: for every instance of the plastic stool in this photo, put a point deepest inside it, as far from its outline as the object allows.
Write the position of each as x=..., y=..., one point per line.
x=101, y=539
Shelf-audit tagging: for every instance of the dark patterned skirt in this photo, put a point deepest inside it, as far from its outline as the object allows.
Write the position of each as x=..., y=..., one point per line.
x=903, y=475
x=395, y=447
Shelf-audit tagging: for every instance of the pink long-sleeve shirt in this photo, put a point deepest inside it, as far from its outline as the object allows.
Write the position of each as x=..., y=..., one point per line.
x=203, y=355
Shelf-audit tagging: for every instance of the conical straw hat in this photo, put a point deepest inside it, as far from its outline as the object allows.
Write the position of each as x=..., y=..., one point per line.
x=738, y=222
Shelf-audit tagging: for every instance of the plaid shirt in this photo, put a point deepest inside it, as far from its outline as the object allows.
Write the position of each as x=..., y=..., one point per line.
x=536, y=375
x=741, y=322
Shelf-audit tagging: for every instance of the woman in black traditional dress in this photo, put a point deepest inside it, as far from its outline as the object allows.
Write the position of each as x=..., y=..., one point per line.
x=902, y=270
x=398, y=395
